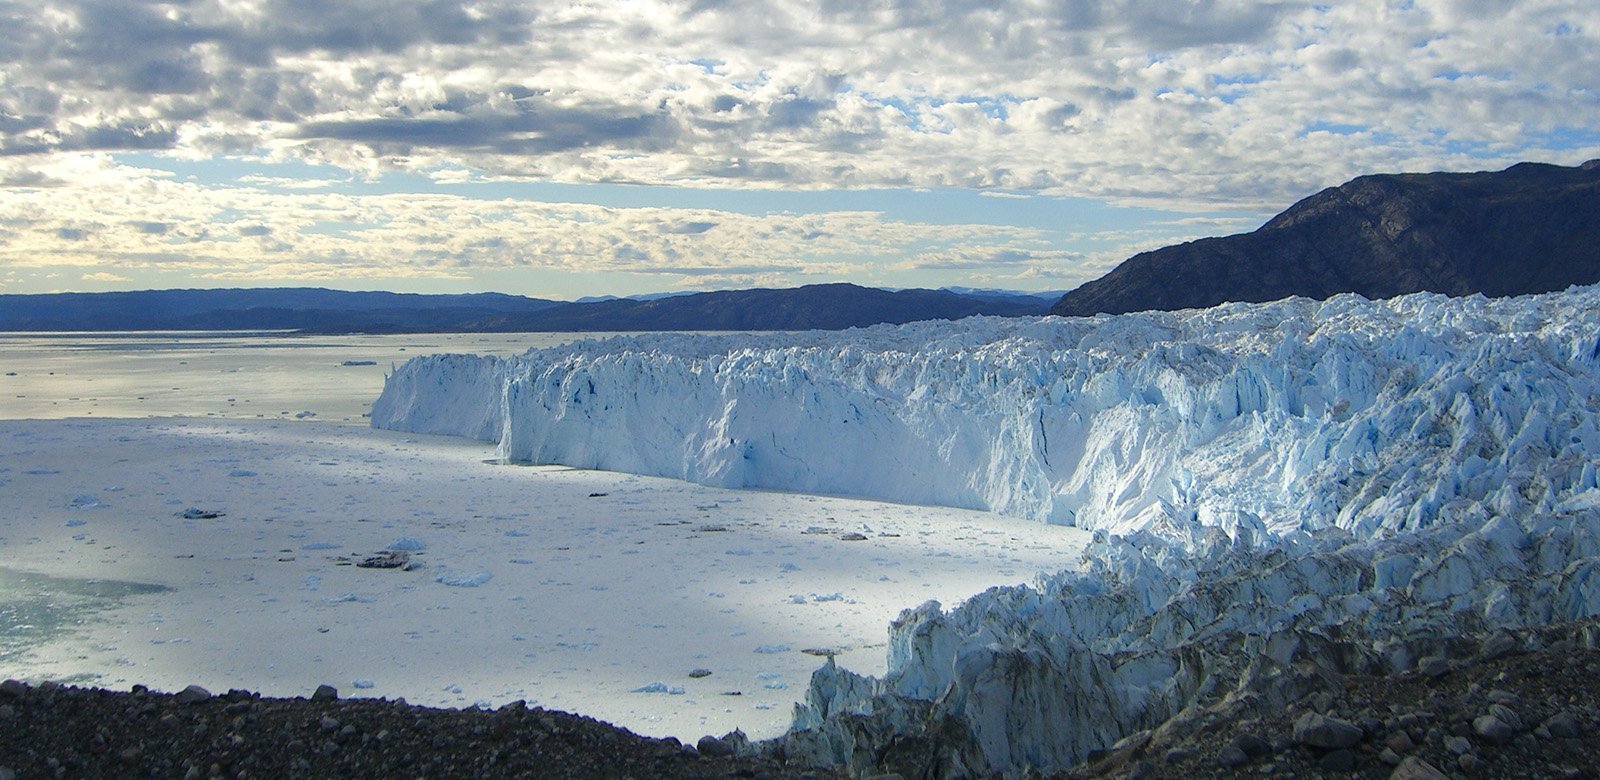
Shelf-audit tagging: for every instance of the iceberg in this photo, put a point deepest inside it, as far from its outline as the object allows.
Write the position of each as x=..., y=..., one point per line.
x=1282, y=493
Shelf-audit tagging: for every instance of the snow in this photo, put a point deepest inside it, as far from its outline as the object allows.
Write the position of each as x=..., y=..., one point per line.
x=258, y=611
x=1260, y=478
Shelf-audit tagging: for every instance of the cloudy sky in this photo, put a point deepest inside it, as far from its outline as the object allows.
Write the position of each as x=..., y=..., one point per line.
x=564, y=149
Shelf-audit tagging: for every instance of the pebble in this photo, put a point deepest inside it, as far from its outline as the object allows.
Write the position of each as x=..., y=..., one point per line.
x=193, y=694
x=1322, y=731
x=1414, y=768
x=1563, y=726
x=1388, y=756
x=1498, y=646
x=1434, y=666
x=1492, y=729
x=1458, y=745
x=714, y=747
x=325, y=693
x=1338, y=761
x=1231, y=756
x=1400, y=742
x=1252, y=745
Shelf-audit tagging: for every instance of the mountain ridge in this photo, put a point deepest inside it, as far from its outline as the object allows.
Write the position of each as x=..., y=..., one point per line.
x=319, y=310
x=1530, y=228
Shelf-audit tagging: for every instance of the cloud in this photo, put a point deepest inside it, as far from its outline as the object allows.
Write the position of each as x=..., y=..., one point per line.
x=105, y=276
x=1185, y=104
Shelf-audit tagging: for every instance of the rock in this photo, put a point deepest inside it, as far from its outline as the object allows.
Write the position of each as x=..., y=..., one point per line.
x=1458, y=745
x=1498, y=646
x=1400, y=742
x=1507, y=698
x=698, y=673
x=7, y=773
x=325, y=693
x=193, y=694
x=1468, y=762
x=1434, y=666
x=714, y=747
x=1321, y=731
x=1507, y=716
x=1388, y=756
x=1179, y=754
x=1563, y=726
x=1252, y=745
x=1142, y=770
x=1493, y=729
x=1414, y=768
x=329, y=724
x=1337, y=761
x=1231, y=756
x=13, y=689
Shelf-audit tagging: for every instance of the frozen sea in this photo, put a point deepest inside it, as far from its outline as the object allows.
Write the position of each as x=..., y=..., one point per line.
x=257, y=374
x=669, y=608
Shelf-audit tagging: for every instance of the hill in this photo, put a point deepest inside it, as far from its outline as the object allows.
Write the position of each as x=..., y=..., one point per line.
x=1528, y=229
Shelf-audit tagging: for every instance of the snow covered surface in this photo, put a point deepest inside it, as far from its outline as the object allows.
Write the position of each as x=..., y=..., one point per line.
x=1344, y=483
x=1285, y=417
x=175, y=552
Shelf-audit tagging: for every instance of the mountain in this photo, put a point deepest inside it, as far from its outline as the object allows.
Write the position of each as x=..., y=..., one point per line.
x=293, y=308
x=818, y=306
x=1530, y=228
x=825, y=306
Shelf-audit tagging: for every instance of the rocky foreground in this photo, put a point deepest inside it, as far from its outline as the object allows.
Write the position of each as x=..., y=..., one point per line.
x=1510, y=705
x=53, y=730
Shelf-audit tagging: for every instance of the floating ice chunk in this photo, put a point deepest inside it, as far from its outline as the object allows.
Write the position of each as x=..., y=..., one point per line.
x=349, y=598
x=241, y=473
x=85, y=501
x=463, y=579
x=320, y=546
x=196, y=513
x=361, y=682
x=75, y=522
x=407, y=544
x=772, y=649
x=516, y=532
x=776, y=685
x=796, y=598
x=305, y=414
x=659, y=687
x=827, y=597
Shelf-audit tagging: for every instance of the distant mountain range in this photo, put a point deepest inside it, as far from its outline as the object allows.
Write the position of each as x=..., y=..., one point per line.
x=823, y=306
x=1530, y=228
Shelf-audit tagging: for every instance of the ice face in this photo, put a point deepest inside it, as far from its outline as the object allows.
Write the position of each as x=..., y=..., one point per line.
x=1264, y=477
x=1296, y=416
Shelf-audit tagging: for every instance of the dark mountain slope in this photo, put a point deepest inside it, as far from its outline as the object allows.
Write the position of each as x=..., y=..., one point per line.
x=1530, y=228
x=819, y=306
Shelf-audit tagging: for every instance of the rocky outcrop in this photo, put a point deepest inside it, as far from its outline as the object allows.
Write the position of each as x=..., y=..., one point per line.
x=1528, y=229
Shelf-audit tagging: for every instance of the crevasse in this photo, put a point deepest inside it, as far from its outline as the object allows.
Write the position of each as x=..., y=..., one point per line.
x=1284, y=492
x=1293, y=416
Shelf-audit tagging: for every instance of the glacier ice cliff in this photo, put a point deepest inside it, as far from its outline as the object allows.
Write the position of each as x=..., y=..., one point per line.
x=1341, y=484
x=1285, y=417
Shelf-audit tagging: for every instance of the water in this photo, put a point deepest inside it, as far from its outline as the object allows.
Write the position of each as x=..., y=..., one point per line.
x=35, y=608
x=219, y=374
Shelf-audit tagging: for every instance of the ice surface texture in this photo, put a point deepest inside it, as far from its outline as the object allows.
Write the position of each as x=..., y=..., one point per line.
x=1284, y=417
x=1341, y=486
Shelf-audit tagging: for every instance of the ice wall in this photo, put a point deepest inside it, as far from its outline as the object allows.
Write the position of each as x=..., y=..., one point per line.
x=1292, y=416
x=1285, y=492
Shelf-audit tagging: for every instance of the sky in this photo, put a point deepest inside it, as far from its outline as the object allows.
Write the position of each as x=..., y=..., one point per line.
x=565, y=149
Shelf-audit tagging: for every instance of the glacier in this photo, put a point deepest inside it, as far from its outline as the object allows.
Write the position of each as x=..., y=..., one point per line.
x=1343, y=483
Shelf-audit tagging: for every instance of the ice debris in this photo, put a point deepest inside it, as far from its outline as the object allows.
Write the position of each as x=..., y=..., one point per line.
x=463, y=579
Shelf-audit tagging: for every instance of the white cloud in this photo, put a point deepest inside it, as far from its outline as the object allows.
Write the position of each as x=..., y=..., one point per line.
x=1178, y=103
